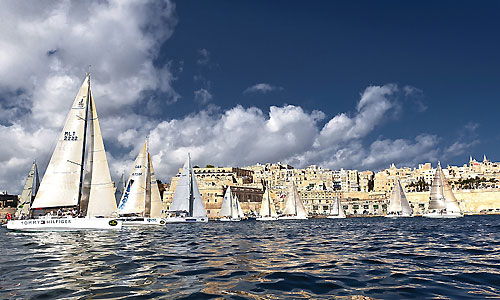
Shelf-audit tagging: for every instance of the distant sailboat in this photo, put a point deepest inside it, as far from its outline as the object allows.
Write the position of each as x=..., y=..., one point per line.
x=267, y=210
x=294, y=208
x=398, y=203
x=76, y=192
x=336, y=210
x=29, y=192
x=140, y=203
x=187, y=205
x=442, y=201
x=230, y=209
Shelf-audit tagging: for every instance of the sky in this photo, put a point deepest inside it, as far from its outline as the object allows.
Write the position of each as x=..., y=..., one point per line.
x=340, y=84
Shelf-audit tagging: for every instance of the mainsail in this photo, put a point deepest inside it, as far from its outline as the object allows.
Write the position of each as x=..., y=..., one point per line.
x=68, y=180
x=227, y=207
x=436, y=200
x=266, y=206
x=336, y=208
x=293, y=203
x=187, y=196
x=398, y=202
x=29, y=191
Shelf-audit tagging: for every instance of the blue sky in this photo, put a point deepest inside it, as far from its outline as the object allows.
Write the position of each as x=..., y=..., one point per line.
x=352, y=84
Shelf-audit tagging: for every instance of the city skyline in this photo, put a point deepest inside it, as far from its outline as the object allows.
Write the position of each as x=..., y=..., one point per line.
x=241, y=83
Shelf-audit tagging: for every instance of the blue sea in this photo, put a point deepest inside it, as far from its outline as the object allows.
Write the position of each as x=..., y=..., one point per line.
x=354, y=258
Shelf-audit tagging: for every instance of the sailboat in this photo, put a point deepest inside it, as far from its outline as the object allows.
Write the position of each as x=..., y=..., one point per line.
x=76, y=192
x=398, y=203
x=267, y=210
x=28, y=195
x=336, y=210
x=230, y=209
x=294, y=208
x=140, y=203
x=442, y=201
x=187, y=205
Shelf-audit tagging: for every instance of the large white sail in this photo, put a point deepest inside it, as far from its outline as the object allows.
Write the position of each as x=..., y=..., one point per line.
x=293, y=203
x=450, y=201
x=436, y=200
x=198, y=207
x=156, y=203
x=101, y=199
x=60, y=185
x=133, y=199
x=29, y=192
x=239, y=210
x=398, y=203
x=180, y=202
x=266, y=206
x=227, y=207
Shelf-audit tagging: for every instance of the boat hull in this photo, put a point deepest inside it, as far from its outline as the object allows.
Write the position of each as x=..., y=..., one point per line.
x=267, y=218
x=292, y=218
x=229, y=219
x=186, y=220
x=437, y=215
x=398, y=216
x=65, y=224
x=335, y=217
x=142, y=221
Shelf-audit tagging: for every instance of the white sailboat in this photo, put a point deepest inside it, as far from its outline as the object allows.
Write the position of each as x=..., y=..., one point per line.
x=76, y=192
x=398, y=203
x=294, y=208
x=230, y=210
x=336, y=210
x=442, y=201
x=267, y=210
x=28, y=195
x=140, y=203
x=187, y=205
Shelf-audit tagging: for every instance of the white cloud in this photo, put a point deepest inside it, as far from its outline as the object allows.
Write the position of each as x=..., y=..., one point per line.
x=203, y=96
x=262, y=88
x=204, y=57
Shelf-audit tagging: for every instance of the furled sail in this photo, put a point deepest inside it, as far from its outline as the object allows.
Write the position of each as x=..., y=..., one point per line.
x=133, y=199
x=436, y=200
x=29, y=192
x=60, y=185
x=293, y=203
x=266, y=206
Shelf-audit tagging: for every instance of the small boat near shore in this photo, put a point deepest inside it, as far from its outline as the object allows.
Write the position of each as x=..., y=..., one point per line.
x=294, y=208
x=442, y=201
x=187, y=205
x=336, y=210
x=399, y=207
x=267, y=211
x=230, y=210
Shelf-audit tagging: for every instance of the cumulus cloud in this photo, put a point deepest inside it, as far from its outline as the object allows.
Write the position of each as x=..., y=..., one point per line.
x=203, y=96
x=45, y=50
x=262, y=88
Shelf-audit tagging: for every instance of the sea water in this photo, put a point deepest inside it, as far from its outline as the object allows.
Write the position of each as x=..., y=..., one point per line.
x=379, y=258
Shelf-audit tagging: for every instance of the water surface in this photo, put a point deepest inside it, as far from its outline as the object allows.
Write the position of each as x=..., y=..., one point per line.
x=319, y=259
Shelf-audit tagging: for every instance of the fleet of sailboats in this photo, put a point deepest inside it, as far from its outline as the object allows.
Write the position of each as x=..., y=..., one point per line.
x=76, y=192
x=187, y=205
x=267, y=211
x=140, y=203
x=231, y=209
x=336, y=210
x=442, y=201
x=398, y=203
x=294, y=208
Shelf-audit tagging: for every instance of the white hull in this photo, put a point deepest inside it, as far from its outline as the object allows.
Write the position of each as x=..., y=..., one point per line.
x=186, y=220
x=335, y=217
x=445, y=215
x=142, y=221
x=398, y=216
x=292, y=218
x=267, y=218
x=229, y=219
x=65, y=224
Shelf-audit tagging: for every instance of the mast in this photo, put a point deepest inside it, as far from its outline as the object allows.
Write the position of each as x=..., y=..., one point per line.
x=269, y=200
x=191, y=196
x=147, y=196
x=80, y=186
x=294, y=196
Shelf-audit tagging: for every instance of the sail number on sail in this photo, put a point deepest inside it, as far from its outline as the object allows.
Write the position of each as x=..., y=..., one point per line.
x=70, y=136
